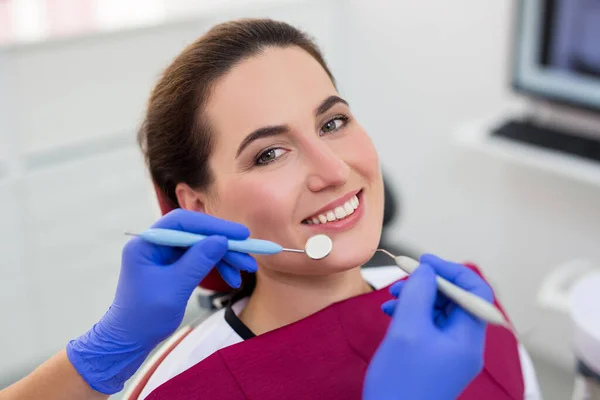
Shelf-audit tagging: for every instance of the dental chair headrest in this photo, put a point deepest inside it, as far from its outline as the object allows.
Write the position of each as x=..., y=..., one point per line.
x=213, y=280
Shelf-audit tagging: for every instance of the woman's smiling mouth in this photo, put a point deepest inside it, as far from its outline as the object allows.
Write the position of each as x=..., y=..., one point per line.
x=339, y=215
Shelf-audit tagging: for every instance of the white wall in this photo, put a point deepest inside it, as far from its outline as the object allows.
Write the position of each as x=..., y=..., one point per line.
x=420, y=69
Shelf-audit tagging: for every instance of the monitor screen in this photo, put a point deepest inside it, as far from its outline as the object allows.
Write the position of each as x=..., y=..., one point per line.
x=557, y=50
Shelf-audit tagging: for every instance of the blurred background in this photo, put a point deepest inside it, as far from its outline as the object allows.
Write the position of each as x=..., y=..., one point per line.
x=485, y=115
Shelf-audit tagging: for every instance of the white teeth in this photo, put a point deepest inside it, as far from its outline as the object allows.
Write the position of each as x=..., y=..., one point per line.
x=339, y=212
x=348, y=208
x=330, y=216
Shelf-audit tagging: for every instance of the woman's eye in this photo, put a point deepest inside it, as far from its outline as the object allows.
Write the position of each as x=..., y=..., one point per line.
x=334, y=124
x=269, y=155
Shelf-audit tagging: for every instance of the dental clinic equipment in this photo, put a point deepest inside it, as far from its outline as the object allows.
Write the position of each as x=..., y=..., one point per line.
x=317, y=247
x=470, y=302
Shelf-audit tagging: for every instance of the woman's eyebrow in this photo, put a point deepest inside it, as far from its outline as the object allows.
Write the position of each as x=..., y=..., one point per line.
x=328, y=103
x=260, y=133
x=275, y=130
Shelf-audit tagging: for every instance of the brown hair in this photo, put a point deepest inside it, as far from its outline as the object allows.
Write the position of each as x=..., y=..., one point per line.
x=175, y=136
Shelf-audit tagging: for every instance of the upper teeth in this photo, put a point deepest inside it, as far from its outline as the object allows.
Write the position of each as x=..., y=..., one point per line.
x=339, y=212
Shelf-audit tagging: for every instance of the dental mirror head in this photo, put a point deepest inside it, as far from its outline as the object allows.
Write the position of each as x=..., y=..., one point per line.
x=318, y=247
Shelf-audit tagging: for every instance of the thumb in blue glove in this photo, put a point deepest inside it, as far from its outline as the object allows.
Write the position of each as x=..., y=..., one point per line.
x=154, y=287
x=433, y=349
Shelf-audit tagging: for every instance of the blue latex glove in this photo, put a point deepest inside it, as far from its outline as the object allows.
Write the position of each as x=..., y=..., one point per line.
x=154, y=287
x=432, y=349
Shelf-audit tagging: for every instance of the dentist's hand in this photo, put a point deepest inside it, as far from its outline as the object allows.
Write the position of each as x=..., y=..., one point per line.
x=154, y=287
x=433, y=349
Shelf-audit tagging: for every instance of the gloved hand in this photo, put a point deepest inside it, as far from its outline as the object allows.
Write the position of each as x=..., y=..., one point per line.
x=154, y=287
x=432, y=349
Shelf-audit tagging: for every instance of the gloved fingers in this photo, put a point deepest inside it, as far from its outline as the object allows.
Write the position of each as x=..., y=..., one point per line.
x=147, y=253
x=415, y=305
x=241, y=261
x=230, y=275
x=462, y=325
x=396, y=288
x=204, y=224
x=199, y=259
x=460, y=275
x=441, y=301
x=452, y=318
x=439, y=315
x=137, y=246
x=389, y=307
x=166, y=255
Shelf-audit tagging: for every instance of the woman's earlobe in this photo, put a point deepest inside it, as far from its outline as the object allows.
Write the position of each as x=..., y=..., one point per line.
x=188, y=198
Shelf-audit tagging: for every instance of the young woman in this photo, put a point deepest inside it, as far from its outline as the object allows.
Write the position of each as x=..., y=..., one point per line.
x=247, y=125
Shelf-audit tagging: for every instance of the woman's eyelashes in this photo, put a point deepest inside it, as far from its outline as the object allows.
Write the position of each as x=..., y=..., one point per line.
x=334, y=124
x=269, y=155
x=272, y=154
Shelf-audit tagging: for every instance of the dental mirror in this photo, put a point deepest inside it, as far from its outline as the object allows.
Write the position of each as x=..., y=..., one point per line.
x=318, y=247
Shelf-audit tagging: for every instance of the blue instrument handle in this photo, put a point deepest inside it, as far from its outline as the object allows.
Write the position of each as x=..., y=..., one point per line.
x=168, y=237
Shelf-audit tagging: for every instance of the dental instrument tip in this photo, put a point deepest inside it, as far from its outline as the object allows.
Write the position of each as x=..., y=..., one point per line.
x=131, y=233
x=386, y=252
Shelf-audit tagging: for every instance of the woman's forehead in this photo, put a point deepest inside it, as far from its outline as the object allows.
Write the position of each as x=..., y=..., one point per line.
x=275, y=87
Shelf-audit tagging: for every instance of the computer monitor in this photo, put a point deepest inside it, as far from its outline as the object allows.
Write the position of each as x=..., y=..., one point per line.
x=557, y=51
x=557, y=60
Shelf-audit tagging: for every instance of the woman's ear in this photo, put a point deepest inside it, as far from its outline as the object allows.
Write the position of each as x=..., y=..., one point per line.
x=190, y=199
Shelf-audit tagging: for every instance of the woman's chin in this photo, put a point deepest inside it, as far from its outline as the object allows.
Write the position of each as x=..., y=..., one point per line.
x=351, y=251
x=346, y=255
x=343, y=260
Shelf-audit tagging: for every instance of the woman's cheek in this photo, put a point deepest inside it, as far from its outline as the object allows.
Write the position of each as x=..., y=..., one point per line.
x=358, y=146
x=261, y=206
x=366, y=147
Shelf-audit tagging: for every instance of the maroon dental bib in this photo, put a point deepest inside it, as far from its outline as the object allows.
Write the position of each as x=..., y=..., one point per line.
x=325, y=356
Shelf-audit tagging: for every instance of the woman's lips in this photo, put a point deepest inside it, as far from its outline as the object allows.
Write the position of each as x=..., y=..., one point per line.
x=339, y=210
x=336, y=206
x=340, y=225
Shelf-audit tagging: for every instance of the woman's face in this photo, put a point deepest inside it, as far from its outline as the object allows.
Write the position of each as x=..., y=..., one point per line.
x=290, y=160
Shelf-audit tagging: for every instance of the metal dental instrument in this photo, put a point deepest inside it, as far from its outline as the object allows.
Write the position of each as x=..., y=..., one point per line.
x=317, y=247
x=471, y=303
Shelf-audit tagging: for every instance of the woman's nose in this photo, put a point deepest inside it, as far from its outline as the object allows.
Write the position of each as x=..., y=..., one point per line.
x=327, y=169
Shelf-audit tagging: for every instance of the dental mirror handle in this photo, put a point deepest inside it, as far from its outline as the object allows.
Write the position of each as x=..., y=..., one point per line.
x=470, y=302
x=174, y=238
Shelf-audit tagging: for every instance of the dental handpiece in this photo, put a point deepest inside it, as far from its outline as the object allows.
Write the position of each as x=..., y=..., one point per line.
x=470, y=302
x=317, y=247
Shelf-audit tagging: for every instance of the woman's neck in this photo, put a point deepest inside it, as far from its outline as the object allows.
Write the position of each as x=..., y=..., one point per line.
x=279, y=300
